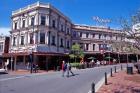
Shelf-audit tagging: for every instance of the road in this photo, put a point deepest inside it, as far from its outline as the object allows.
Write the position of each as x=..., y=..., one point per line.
x=54, y=82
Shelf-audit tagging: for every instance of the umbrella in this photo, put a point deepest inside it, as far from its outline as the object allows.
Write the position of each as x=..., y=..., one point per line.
x=108, y=58
x=92, y=58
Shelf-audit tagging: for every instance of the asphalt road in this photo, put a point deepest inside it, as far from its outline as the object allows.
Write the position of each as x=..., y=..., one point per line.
x=54, y=82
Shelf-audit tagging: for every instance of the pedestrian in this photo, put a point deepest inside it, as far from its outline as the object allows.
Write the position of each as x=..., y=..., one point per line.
x=69, y=69
x=34, y=67
x=98, y=63
x=64, y=67
x=28, y=66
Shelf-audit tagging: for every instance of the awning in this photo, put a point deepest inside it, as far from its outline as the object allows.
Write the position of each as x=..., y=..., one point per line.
x=34, y=53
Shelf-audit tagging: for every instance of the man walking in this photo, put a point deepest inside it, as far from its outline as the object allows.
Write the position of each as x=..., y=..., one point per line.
x=69, y=69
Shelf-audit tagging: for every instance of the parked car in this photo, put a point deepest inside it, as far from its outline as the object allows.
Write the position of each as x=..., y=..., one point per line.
x=3, y=71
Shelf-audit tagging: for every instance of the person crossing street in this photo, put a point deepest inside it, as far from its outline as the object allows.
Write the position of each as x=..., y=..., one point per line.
x=69, y=70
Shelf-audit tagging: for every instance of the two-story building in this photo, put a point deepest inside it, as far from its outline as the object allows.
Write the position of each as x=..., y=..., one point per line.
x=96, y=41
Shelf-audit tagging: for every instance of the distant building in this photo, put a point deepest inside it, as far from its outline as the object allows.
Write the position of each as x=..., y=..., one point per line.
x=4, y=47
x=94, y=39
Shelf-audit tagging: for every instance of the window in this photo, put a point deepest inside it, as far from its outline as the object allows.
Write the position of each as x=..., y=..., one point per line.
x=102, y=46
x=93, y=46
x=99, y=36
x=32, y=21
x=110, y=37
x=93, y=35
x=53, y=40
x=61, y=44
x=68, y=44
x=116, y=37
x=31, y=38
x=68, y=31
x=61, y=27
x=14, y=41
x=15, y=26
x=1, y=47
x=87, y=34
x=22, y=40
x=121, y=38
x=43, y=20
x=105, y=36
x=80, y=34
x=53, y=23
x=23, y=23
x=42, y=38
x=87, y=46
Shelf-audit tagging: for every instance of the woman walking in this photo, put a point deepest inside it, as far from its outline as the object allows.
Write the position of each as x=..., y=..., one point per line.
x=64, y=67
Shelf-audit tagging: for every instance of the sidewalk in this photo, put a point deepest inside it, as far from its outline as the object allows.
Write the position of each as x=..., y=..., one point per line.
x=121, y=82
x=24, y=72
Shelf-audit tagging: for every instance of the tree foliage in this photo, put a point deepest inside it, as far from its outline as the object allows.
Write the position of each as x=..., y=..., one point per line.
x=76, y=52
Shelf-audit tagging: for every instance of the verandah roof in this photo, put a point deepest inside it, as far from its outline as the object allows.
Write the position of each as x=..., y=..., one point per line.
x=34, y=53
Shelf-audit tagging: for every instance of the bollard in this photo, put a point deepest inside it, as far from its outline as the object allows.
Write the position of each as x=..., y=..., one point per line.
x=121, y=67
x=93, y=87
x=105, y=78
x=111, y=73
x=115, y=70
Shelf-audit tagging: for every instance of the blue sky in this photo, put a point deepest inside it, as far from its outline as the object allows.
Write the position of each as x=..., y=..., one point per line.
x=79, y=11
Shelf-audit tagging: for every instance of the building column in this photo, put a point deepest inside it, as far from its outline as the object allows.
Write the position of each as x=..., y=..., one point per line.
x=57, y=42
x=38, y=39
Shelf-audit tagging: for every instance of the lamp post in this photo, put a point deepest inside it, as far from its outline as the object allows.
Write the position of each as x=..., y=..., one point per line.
x=119, y=57
x=127, y=58
x=11, y=63
x=137, y=56
x=31, y=54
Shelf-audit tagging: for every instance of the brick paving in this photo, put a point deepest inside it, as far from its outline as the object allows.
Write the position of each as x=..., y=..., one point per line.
x=121, y=82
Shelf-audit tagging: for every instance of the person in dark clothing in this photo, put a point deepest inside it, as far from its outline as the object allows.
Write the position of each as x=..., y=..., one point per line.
x=69, y=69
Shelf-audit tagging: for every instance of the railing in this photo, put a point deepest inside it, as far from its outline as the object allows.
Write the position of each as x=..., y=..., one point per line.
x=29, y=7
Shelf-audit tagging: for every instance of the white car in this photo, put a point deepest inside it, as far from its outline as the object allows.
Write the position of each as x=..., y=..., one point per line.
x=2, y=71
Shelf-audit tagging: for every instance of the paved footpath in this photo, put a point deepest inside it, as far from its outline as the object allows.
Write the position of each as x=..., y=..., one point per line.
x=54, y=82
x=122, y=83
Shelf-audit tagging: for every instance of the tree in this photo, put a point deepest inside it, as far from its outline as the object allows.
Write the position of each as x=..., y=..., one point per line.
x=76, y=52
x=127, y=28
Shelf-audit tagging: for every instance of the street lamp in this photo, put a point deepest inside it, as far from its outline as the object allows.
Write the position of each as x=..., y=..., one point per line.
x=31, y=54
x=31, y=61
x=119, y=57
x=137, y=56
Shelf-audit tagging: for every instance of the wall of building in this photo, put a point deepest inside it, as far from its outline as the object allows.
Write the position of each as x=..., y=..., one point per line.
x=56, y=26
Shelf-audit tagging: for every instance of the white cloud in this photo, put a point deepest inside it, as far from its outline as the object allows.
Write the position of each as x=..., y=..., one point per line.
x=5, y=30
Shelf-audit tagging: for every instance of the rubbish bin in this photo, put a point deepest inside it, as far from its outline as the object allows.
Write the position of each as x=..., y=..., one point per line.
x=58, y=68
x=129, y=70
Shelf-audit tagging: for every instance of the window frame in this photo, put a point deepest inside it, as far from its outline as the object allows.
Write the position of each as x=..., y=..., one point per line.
x=22, y=37
x=43, y=20
x=42, y=38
